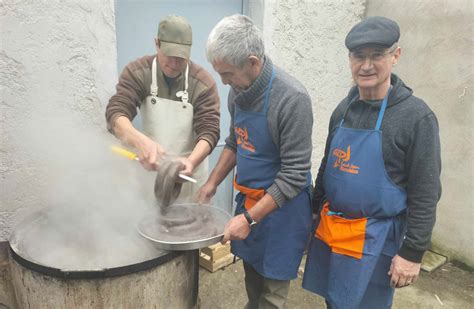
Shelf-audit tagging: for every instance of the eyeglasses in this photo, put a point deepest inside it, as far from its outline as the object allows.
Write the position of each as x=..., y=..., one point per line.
x=373, y=56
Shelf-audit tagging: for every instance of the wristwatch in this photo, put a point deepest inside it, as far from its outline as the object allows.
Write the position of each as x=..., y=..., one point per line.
x=251, y=221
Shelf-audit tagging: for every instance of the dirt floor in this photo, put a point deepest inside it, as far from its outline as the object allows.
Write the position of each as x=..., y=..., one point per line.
x=447, y=287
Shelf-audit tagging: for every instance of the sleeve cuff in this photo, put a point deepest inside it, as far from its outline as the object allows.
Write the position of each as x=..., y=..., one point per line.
x=227, y=146
x=411, y=254
x=113, y=119
x=276, y=194
x=208, y=140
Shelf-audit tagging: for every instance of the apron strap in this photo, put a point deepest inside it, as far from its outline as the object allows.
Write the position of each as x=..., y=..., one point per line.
x=267, y=95
x=382, y=110
x=186, y=73
x=184, y=94
x=267, y=92
x=154, y=85
x=180, y=94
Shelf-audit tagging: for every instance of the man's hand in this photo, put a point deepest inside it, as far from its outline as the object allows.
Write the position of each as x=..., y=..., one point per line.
x=188, y=166
x=205, y=193
x=236, y=229
x=149, y=152
x=403, y=272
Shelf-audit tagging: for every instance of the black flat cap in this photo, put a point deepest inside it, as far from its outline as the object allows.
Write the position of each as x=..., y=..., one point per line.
x=373, y=31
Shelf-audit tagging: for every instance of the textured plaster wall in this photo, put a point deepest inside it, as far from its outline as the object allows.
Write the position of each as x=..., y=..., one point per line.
x=438, y=63
x=307, y=39
x=53, y=55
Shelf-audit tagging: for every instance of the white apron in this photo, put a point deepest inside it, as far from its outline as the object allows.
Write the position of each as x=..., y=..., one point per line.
x=170, y=124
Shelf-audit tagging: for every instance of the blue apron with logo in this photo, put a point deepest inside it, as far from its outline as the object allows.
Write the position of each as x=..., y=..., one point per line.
x=276, y=244
x=357, y=187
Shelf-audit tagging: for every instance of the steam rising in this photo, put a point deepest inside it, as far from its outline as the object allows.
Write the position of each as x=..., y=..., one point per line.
x=94, y=198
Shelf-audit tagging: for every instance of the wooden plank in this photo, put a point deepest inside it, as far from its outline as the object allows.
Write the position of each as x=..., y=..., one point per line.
x=215, y=265
x=215, y=257
x=217, y=251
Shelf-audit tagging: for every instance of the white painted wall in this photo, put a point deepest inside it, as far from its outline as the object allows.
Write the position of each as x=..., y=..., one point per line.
x=437, y=40
x=54, y=55
x=306, y=38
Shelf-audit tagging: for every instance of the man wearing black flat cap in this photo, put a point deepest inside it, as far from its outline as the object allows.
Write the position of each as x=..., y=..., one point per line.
x=378, y=183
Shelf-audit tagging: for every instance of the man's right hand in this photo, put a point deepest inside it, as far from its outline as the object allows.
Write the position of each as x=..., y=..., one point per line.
x=149, y=152
x=224, y=165
x=205, y=193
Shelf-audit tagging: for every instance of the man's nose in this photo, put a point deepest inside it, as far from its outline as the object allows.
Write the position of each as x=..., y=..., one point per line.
x=367, y=64
x=175, y=63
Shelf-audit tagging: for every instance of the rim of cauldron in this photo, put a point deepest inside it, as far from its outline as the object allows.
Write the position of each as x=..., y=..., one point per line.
x=94, y=274
x=16, y=254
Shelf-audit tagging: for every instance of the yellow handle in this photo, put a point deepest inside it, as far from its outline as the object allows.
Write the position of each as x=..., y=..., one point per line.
x=124, y=152
x=132, y=156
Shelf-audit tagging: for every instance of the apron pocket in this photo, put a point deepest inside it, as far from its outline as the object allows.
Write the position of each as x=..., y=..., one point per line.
x=252, y=196
x=344, y=236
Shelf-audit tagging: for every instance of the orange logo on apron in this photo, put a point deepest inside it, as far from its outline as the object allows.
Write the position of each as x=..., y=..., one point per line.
x=243, y=139
x=342, y=161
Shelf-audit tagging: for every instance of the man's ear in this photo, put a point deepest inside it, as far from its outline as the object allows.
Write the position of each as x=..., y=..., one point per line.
x=254, y=61
x=157, y=43
x=396, y=56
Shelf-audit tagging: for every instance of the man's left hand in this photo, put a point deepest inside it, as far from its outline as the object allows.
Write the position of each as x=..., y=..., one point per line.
x=403, y=272
x=236, y=229
x=188, y=166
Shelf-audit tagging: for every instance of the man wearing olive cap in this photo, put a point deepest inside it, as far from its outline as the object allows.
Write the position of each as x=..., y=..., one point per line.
x=378, y=183
x=178, y=102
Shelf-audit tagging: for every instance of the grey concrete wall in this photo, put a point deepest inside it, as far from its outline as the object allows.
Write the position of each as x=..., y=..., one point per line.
x=438, y=63
x=54, y=55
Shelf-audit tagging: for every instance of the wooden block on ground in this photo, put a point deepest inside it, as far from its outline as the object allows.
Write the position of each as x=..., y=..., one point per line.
x=215, y=257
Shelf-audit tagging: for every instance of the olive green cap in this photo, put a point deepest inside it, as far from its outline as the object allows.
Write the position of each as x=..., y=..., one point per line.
x=176, y=37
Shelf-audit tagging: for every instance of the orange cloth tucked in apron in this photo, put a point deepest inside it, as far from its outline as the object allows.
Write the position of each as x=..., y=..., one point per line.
x=252, y=196
x=344, y=236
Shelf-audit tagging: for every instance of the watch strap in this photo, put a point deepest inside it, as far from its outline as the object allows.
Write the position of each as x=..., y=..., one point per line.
x=249, y=219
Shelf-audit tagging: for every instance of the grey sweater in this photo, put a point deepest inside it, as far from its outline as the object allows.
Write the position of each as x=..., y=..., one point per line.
x=290, y=122
x=411, y=153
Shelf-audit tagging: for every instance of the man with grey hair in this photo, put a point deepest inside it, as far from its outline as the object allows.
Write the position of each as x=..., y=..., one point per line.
x=270, y=144
x=378, y=183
